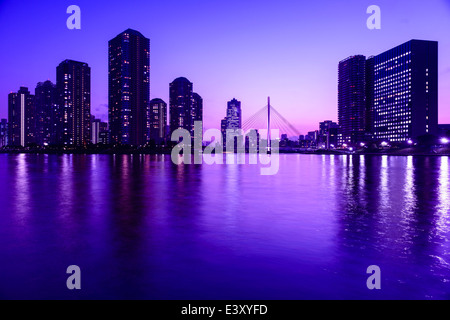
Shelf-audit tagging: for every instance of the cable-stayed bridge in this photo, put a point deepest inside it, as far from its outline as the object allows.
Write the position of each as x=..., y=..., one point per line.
x=269, y=118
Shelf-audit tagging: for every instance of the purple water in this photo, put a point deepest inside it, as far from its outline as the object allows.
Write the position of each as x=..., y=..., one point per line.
x=140, y=227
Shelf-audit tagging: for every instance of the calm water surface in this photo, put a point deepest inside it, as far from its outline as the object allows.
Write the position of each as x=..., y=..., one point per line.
x=141, y=227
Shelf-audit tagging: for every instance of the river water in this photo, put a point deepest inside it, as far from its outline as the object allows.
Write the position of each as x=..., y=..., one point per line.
x=140, y=227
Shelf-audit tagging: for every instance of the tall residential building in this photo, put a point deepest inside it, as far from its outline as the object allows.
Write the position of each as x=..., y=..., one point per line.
x=47, y=113
x=3, y=133
x=352, y=99
x=197, y=109
x=186, y=107
x=129, y=88
x=73, y=83
x=405, y=91
x=21, y=118
x=158, y=120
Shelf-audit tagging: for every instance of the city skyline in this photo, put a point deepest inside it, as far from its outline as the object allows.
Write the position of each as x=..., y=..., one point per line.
x=391, y=96
x=264, y=60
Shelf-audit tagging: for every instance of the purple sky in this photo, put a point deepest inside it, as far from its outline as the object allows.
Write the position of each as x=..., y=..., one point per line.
x=288, y=50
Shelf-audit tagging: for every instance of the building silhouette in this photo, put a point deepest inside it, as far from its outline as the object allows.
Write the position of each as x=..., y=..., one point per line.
x=223, y=130
x=186, y=106
x=47, y=113
x=234, y=114
x=328, y=134
x=73, y=83
x=444, y=130
x=232, y=120
x=21, y=118
x=158, y=121
x=99, y=131
x=197, y=110
x=352, y=99
x=129, y=88
x=3, y=133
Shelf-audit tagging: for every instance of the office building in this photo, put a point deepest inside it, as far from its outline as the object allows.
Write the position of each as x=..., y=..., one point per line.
x=405, y=92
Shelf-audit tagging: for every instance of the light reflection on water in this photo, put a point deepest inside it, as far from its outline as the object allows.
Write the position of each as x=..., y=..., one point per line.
x=142, y=227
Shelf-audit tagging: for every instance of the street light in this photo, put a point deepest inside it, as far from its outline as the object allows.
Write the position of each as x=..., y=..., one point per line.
x=384, y=144
x=410, y=141
x=444, y=141
x=362, y=144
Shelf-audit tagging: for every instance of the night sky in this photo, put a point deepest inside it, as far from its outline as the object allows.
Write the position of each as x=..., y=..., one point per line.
x=244, y=49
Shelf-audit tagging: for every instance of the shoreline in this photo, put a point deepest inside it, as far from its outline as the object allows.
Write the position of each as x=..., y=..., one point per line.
x=401, y=152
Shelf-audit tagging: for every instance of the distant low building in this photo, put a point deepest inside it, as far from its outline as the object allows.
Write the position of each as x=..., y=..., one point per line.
x=99, y=131
x=252, y=140
x=444, y=130
x=3, y=133
x=284, y=141
x=328, y=133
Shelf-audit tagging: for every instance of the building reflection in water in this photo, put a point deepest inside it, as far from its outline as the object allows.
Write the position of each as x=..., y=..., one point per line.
x=396, y=206
x=409, y=189
x=145, y=227
x=443, y=206
x=22, y=189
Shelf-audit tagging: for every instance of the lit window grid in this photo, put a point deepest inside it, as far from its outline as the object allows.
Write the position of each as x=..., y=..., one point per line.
x=392, y=98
